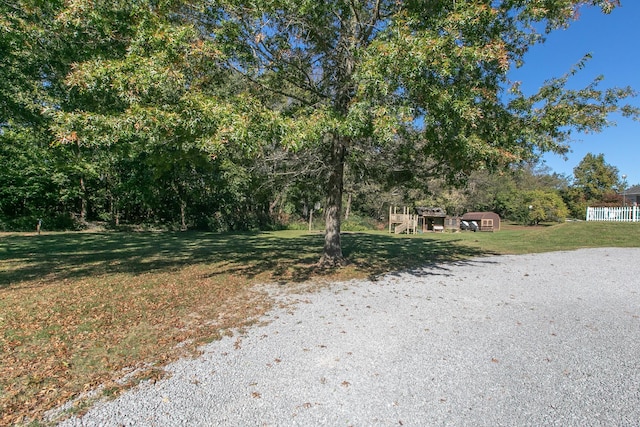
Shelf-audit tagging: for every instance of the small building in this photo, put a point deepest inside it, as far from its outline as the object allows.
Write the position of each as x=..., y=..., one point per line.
x=487, y=221
x=431, y=219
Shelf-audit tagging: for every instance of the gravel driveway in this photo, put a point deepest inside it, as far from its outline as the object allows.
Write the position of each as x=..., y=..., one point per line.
x=544, y=339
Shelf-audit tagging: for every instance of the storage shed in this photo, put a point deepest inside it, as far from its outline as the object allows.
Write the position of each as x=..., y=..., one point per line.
x=487, y=221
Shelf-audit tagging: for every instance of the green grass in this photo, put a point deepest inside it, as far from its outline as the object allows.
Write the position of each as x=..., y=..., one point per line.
x=78, y=309
x=558, y=237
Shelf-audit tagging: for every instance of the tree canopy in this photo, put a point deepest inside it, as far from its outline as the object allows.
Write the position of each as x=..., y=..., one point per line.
x=595, y=177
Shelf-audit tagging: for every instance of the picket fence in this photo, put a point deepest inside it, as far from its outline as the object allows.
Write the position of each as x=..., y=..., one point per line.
x=617, y=214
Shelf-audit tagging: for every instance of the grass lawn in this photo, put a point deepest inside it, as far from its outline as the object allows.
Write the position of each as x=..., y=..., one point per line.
x=78, y=310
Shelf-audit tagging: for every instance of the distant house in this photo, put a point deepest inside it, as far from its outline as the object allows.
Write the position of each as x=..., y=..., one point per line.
x=632, y=196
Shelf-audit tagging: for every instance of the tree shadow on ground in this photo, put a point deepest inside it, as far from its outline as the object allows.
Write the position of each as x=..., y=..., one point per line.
x=382, y=254
x=283, y=257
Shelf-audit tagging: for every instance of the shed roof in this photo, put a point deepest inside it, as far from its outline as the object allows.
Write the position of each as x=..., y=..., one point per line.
x=431, y=212
x=480, y=215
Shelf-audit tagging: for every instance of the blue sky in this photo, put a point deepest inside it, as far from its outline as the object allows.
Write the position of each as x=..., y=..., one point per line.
x=613, y=41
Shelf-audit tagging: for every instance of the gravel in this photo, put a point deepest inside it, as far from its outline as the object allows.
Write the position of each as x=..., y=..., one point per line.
x=541, y=339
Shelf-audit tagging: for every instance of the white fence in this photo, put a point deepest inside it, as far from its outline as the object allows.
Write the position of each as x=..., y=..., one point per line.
x=618, y=214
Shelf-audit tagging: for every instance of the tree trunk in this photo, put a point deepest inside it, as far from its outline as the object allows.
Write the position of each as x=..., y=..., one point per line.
x=332, y=255
x=348, y=208
x=272, y=205
x=113, y=208
x=345, y=89
x=183, y=222
x=83, y=201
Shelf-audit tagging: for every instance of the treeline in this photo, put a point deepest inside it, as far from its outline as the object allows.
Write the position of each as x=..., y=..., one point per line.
x=69, y=187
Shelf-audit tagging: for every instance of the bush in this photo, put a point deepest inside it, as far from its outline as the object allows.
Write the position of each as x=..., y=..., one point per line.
x=56, y=222
x=545, y=206
x=354, y=223
x=358, y=223
x=297, y=225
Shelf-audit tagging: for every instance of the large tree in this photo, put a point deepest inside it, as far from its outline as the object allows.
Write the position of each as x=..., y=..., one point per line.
x=595, y=177
x=595, y=183
x=423, y=82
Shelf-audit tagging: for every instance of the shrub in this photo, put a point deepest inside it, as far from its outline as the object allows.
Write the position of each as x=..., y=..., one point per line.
x=359, y=223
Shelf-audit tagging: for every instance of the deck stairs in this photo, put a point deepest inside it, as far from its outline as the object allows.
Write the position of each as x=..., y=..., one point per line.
x=401, y=228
